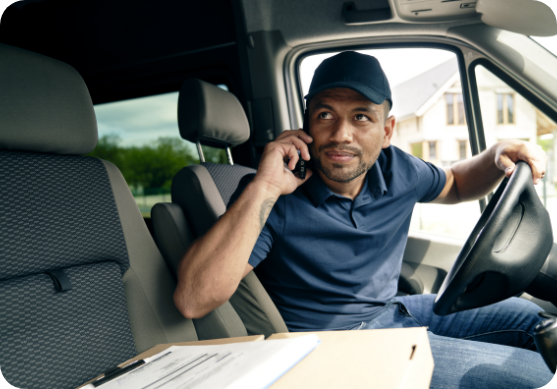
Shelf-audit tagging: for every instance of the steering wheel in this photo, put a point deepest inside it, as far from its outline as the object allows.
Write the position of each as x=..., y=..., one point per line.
x=504, y=252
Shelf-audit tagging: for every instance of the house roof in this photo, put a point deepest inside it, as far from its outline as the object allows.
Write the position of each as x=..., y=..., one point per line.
x=413, y=94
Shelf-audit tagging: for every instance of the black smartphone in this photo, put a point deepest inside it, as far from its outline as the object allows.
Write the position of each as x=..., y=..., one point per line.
x=302, y=165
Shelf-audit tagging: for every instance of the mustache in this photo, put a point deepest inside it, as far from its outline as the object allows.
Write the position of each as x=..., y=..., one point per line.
x=341, y=147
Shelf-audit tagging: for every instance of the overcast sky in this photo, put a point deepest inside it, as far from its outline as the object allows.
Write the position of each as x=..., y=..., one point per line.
x=139, y=121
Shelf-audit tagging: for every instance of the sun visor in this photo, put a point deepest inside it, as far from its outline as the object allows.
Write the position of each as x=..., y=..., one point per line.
x=44, y=105
x=528, y=17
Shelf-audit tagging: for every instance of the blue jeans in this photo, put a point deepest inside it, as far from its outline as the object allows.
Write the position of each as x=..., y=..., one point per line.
x=489, y=347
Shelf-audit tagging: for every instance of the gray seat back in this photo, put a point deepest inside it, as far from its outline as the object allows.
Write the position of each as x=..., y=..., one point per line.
x=203, y=192
x=83, y=286
x=174, y=236
x=215, y=117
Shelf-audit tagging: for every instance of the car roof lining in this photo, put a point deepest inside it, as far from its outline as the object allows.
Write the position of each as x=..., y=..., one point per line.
x=127, y=49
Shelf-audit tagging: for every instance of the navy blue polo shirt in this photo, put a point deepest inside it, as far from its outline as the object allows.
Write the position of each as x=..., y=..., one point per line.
x=329, y=262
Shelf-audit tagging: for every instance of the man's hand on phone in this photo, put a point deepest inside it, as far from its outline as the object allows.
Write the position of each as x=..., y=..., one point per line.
x=279, y=159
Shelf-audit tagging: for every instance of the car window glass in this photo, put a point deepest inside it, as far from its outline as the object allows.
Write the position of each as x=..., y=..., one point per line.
x=506, y=114
x=549, y=43
x=431, y=124
x=141, y=137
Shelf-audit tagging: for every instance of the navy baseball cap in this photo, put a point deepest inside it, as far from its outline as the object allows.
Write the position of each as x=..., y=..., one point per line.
x=355, y=71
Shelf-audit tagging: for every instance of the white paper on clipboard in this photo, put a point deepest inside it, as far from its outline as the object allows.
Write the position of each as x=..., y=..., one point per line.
x=251, y=365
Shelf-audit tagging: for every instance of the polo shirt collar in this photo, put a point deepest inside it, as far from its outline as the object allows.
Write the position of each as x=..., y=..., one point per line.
x=318, y=192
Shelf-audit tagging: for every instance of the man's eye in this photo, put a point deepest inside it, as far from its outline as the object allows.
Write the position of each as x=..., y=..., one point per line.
x=325, y=115
x=361, y=118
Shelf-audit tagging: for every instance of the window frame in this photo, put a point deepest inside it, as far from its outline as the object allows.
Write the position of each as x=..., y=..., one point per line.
x=505, y=108
x=459, y=143
x=429, y=148
x=456, y=113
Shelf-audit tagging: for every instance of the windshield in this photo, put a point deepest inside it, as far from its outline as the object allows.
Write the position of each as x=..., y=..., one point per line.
x=549, y=43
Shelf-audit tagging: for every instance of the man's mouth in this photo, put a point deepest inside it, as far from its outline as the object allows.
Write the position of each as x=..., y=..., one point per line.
x=339, y=156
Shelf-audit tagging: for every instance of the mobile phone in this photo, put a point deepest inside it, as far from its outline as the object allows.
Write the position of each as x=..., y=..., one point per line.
x=302, y=165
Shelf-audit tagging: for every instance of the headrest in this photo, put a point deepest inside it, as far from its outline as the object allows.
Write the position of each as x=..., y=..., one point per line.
x=44, y=105
x=211, y=114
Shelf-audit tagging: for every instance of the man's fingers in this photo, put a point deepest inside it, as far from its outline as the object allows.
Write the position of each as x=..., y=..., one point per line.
x=292, y=153
x=506, y=164
x=295, y=133
x=300, y=145
x=536, y=158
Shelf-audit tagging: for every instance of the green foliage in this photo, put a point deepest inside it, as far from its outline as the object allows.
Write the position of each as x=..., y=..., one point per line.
x=546, y=144
x=149, y=167
x=214, y=155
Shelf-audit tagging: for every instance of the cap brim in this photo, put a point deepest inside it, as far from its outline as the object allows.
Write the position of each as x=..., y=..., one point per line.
x=366, y=91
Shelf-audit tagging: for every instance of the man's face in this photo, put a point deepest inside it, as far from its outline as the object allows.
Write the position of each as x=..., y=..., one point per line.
x=348, y=133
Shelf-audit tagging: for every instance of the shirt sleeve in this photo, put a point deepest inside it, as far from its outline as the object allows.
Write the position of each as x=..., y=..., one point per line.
x=265, y=241
x=262, y=247
x=431, y=180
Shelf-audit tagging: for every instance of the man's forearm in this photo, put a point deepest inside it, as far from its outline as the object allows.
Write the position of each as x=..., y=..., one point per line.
x=472, y=179
x=214, y=265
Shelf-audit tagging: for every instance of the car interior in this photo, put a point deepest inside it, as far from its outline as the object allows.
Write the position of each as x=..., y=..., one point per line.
x=90, y=247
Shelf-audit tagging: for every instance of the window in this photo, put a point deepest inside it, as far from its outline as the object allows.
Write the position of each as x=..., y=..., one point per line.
x=505, y=108
x=432, y=150
x=455, y=109
x=501, y=104
x=141, y=137
x=426, y=97
x=462, y=149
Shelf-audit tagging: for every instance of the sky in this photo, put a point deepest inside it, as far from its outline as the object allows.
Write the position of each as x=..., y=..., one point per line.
x=398, y=64
x=139, y=121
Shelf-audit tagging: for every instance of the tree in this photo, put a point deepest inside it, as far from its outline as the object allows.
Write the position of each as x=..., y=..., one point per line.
x=150, y=167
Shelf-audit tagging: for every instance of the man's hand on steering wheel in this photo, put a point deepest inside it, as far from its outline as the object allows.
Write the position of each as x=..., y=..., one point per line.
x=509, y=152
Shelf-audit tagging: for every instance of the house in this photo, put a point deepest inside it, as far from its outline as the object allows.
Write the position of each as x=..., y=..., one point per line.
x=431, y=122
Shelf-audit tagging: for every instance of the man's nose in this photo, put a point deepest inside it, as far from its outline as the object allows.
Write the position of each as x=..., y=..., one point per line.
x=342, y=132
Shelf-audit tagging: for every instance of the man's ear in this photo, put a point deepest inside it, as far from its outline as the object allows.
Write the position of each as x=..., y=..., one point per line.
x=389, y=129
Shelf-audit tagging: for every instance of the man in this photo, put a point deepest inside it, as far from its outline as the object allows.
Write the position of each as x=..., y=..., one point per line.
x=329, y=248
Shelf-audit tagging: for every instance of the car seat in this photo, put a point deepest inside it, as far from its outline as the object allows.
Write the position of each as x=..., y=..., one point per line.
x=201, y=193
x=83, y=286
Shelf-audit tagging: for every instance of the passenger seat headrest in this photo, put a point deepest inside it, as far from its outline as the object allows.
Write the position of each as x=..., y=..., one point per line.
x=211, y=115
x=44, y=105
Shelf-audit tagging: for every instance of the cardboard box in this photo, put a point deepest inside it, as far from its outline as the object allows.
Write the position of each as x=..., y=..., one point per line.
x=385, y=359
x=161, y=347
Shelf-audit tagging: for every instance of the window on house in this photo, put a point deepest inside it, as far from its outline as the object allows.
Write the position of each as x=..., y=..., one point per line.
x=462, y=149
x=505, y=108
x=432, y=150
x=141, y=137
x=455, y=109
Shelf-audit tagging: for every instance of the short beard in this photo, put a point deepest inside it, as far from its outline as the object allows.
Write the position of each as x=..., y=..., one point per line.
x=338, y=174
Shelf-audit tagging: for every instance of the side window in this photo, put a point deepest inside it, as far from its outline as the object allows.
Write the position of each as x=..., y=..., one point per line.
x=141, y=137
x=506, y=114
x=429, y=107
